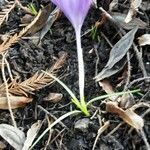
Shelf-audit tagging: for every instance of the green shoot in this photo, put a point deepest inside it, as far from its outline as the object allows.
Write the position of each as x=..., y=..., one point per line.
x=94, y=32
x=32, y=9
x=109, y=95
x=81, y=105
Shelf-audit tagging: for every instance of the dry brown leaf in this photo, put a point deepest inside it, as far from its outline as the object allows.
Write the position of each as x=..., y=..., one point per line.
x=15, y=101
x=12, y=135
x=40, y=22
x=135, y=4
x=4, y=13
x=107, y=87
x=144, y=40
x=105, y=84
x=133, y=119
x=31, y=134
x=129, y=116
x=53, y=97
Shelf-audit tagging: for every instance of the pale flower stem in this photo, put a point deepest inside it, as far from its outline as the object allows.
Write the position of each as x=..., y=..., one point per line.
x=80, y=64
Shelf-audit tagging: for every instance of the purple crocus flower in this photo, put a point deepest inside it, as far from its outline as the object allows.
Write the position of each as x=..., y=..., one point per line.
x=74, y=10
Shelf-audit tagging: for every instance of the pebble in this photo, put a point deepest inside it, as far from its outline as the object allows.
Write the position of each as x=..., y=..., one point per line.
x=82, y=124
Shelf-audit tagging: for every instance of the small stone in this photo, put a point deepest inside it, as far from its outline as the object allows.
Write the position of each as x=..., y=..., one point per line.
x=82, y=124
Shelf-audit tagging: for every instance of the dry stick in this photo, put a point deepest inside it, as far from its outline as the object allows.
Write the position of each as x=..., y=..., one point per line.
x=50, y=135
x=61, y=123
x=115, y=129
x=145, y=113
x=144, y=139
x=57, y=136
x=97, y=60
x=129, y=72
x=7, y=92
x=100, y=131
x=139, y=58
x=107, y=40
x=137, y=80
x=9, y=70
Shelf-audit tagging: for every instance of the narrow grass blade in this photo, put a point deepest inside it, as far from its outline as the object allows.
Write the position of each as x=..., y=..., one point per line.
x=109, y=95
x=63, y=85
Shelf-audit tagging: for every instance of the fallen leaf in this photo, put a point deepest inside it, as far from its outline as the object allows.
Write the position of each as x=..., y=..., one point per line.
x=12, y=135
x=133, y=119
x=40, y=21
x=107, y=87
x=119, y=17
x=135, y=4
x=51, y=19
x=129, y=116
x=15, y=102
x=144, y=40
x=31, y=134
x=116, y=55
x=53, y=97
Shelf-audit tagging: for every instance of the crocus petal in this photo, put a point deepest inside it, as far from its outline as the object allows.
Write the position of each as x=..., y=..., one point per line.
x=74, y=10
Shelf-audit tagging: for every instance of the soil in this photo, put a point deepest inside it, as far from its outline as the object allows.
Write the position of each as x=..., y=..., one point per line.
x=25, y=59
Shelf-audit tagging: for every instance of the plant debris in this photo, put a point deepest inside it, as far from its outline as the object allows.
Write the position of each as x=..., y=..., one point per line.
x=38, y=47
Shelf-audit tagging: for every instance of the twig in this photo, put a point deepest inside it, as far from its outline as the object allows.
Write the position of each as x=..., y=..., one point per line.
x=129, y=72
x=43, y=109
x=145, y=113
x=141, y=104
x=100, y=131
x=137, y=80
x=115, y=129
x=57, y=136
x=7, y=92
x=9, y=70
x=144, y=139
x=50, y=135
x=139, y=58
x=97, y=60
x=107, y=40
